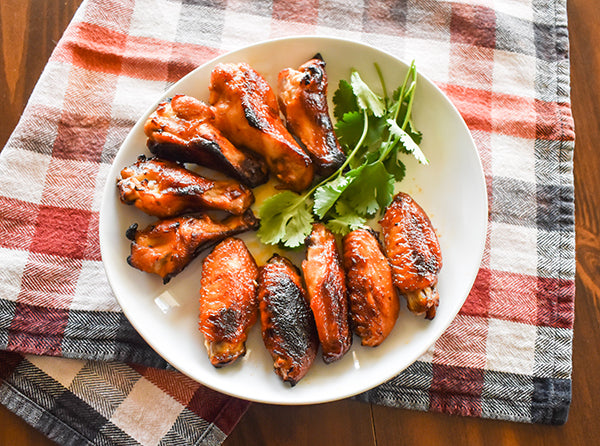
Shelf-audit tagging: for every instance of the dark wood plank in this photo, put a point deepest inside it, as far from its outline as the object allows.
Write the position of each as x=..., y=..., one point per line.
x=15, y=431
x=584, y=28
x=29, y=31
x=441, y=429
x=344, y=422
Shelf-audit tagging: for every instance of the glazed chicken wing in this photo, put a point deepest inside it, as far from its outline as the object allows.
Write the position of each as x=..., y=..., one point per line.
x=326, y=287
x=166, y=247
x=412, y=247
x=303, y=101
x=182, y=129
x=374, y=305
x=165, y=189
x=247, y=113
x=228, y=300
x=288, y=326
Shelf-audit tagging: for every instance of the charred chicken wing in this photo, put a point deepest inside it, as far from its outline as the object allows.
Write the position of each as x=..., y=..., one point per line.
x=165, y=189
x=228, y=300
x=326, y=287
x=288, y=326
x=182, y=129
x=374, y=305
x=247, y=113
x=303, y=101
x=167, y=246
x=412, y=247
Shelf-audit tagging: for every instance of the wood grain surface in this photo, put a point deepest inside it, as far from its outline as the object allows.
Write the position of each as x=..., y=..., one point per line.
x=29, y=30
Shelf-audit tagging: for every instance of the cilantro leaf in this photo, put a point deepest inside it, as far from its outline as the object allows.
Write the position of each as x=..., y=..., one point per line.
x=371, y=188
x=343, y=224
x=393, y=164
x=345, y=219
x=327, y=194
x=414, y=134
x=285, y=217
x=343, y=208
x=365, y=97
x=376, y=132
x=349, y=129
x=344, y=100
x=407, y=142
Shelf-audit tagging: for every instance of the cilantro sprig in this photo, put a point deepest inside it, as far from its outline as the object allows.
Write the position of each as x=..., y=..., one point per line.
x=375, y=132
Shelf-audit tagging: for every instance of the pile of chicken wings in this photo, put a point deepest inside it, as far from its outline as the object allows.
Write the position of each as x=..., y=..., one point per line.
x=249, y=133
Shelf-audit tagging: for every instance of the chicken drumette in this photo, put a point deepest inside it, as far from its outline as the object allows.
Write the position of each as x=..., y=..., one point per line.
x=183, y=129
x=303, y=101
x=247, y=113
x=412, y=247
x=166, y=247
x=165, y=189
x=374, y=305
x=228, y=300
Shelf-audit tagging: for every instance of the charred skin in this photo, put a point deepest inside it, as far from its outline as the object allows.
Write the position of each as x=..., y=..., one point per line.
x=288, y=325
x=303, y=101
x=326, y=287
x=247, y=113
x=183, y=129
x=374, y=305
x=414, y=253
x=166, y=247
x=228, y=300
x=163, y=189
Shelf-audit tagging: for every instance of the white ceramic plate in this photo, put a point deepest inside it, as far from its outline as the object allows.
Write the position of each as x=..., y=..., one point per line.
x=451, y=190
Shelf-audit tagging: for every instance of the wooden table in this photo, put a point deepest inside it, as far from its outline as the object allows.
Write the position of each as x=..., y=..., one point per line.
x=29, y=30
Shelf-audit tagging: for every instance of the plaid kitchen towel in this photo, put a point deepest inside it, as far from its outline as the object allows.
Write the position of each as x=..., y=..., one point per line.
x=503, y=63
x=77, y=402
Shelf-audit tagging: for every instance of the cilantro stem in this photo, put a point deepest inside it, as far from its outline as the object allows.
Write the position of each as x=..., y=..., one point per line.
x=404, y=93
x=412, y=72
x=401, y=94
x=411, y=90
x=383, y=87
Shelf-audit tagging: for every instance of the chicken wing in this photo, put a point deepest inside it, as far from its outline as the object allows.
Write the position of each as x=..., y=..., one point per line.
x=165, y=189
x=228, y=300
x=303, y=101
x=326, y=287
x=182, y=129
x=413, y=249
x=166, y=247
x=374, y=305
x=247, y=113
x=288, y=325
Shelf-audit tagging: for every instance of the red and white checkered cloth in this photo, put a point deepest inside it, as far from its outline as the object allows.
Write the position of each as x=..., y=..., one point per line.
x=504, y=64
